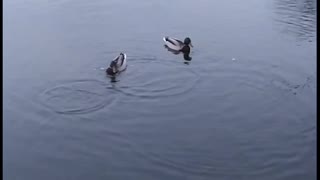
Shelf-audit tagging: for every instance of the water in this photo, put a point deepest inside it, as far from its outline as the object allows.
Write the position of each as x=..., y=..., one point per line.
x=243, y=108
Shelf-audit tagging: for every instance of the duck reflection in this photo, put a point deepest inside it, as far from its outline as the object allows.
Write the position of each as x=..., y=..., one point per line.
x=186, y=56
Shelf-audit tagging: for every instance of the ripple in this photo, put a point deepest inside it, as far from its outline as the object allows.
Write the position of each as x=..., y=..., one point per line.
x=297, y=17
x=76, y=97
x=256, y=154
x=263, y=78
x=151, y=79
x=189, y=158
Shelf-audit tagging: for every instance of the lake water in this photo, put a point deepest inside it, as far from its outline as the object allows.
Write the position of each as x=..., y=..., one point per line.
x=243, y=108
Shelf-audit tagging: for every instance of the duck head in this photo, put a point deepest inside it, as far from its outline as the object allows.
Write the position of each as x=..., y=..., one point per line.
x=112, y=69
x=187, y=41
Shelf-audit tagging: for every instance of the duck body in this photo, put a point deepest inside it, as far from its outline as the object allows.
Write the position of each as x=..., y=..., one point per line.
x=173, y=43
x=117, y=65
x=177, y=45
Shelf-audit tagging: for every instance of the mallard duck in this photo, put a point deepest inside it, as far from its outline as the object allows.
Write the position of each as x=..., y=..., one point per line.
x=117, y=65
x=177, y=45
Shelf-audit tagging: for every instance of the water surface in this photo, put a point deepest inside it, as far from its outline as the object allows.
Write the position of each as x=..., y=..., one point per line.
x=243, y=108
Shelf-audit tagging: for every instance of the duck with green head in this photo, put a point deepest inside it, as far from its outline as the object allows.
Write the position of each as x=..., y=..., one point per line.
x=179, y=46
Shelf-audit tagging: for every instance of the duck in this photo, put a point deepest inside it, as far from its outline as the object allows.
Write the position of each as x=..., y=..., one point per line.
x=117, y=65
x=176, y=46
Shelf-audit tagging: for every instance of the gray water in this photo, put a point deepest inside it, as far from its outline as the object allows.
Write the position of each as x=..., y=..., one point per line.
x=243, y=108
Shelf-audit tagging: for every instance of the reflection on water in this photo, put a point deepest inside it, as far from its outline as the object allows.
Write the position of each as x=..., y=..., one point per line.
x=187, y=62
x=298, y=17
x=113, y=79
x=185, y=55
